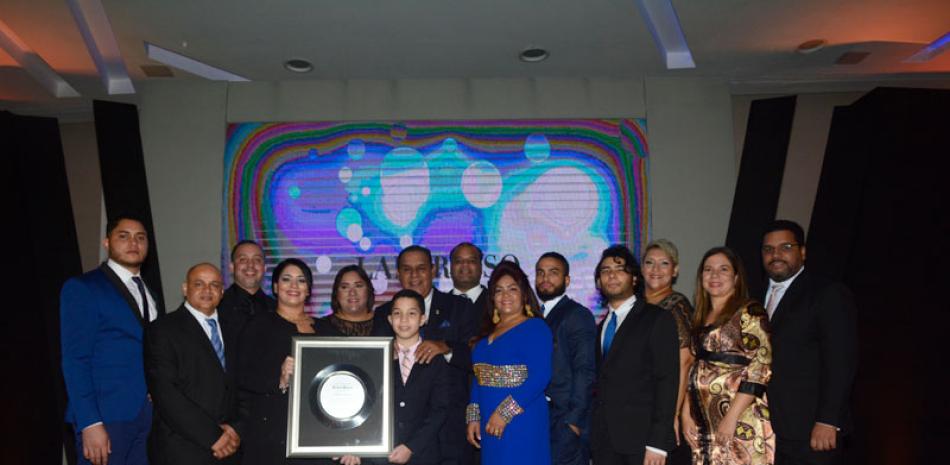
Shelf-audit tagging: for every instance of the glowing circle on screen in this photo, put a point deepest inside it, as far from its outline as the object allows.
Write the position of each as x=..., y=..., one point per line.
x=366, y=191
x=356, y=149
x=405, y=241
x=354, y=232
x=404, y=179
x=365, y=243
x=345, y=219
x=324, y=263
x=481, y=184
x=294, y=192
x=346, y=174
x=537, y=148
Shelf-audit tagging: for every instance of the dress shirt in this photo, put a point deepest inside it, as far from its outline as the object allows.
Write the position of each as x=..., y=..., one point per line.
x=202, y=319
x=549, y=305
x=428, y=302
x=471, y=294
x=407, y=352
x=622, y=311
x=784, y=285
x=126, y=277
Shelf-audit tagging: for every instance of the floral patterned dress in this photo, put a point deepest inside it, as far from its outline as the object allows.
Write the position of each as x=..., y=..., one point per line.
x=733, y=357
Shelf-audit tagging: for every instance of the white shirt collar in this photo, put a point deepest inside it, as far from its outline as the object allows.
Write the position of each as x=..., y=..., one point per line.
x=549, y=305
x=788, y=282
x=122, y=272
x=201, y=317
x=472, y=293
x=624, y=309
x=428, y=300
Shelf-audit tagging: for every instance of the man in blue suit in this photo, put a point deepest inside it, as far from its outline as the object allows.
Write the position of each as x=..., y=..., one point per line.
x=574, y=365
x=102, y=317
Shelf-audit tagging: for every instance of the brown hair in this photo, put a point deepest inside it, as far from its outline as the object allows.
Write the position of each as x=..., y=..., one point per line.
x=740, y=296
x=335, y=293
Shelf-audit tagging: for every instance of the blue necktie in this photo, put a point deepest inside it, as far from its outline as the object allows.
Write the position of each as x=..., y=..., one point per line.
x=216, y=340
x=609, y=332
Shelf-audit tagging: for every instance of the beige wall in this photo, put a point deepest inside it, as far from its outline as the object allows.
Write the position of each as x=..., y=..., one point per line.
x=183, y=129
x=85, y=188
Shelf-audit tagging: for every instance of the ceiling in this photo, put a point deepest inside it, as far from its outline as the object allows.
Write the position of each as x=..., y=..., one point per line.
x=750, y=43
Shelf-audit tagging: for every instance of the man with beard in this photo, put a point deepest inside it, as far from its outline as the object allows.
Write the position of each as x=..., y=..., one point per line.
x=245, y=298
x=573, y=366
x=814, y=344
x=103, y=314
x=447, y=333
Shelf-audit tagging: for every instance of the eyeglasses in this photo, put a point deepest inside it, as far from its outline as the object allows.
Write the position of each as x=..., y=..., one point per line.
x=610, y=270
x=786, y=247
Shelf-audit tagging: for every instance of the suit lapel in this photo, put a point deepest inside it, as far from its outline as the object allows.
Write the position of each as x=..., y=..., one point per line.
x=625, y=328
x=557, y=313
x=197, y=333
x=123, y=291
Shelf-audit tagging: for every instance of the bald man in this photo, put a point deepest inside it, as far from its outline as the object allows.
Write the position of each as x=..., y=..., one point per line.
x=189, y=361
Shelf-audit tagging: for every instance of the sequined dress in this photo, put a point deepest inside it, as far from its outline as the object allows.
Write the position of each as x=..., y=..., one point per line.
x=510, y=376
x=733, y=357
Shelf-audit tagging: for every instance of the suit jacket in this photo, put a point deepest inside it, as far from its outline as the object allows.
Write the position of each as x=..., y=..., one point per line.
x=574, y=364
x=191, y=392
x=101, y=330
x=421, y=409
x=637, y=383
x=814, y=357
x=239, y=306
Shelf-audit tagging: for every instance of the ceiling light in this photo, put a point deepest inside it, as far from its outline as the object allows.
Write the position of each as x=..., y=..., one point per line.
x=533, y=55
x=810, y=46
x=177, y=60
x=931, y=50
x=297, y=65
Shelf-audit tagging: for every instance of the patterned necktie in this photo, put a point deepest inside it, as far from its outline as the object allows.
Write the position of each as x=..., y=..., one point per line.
x=609, y=332
x=141, y=285
x=216, y=340
x=773, y=300
x=405, y=363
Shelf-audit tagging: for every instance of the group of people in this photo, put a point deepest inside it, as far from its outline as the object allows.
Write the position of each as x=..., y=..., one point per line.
x=496, y=374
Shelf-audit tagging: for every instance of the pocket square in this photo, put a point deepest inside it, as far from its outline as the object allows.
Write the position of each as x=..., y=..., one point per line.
x=445, y=324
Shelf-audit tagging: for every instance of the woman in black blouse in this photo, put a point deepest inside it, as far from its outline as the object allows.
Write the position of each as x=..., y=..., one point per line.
x=263, y=375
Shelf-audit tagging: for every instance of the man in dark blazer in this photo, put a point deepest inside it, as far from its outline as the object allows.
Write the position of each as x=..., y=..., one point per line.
x=446, y=334
x=574, y=364
x=103, y=314
x=245, y=298
x=466, y=269
x=189, y=363
x=814, y=352
x=638, y=369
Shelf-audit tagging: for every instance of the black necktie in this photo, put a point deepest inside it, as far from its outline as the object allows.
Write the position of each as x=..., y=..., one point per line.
x=138, y=282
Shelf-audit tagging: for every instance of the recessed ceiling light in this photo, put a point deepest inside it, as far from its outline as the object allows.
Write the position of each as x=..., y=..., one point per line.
x=810, y=46
x=533, y=55
x=297, y=65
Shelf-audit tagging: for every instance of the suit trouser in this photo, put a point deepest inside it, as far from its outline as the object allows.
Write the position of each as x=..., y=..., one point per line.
x=799, y=452
x=128, y=439
x=603, y=452
x=568, y=448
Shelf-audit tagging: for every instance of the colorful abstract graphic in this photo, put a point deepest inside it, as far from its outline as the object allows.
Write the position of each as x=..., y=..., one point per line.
x=334, y=194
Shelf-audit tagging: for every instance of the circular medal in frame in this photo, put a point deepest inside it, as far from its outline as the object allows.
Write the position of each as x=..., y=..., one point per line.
x=342, y=396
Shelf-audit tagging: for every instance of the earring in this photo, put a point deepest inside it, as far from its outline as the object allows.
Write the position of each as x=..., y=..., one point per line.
x=495, y=318
x=527, y=309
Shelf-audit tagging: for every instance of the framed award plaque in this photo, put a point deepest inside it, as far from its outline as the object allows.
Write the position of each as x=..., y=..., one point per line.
x=340, y=397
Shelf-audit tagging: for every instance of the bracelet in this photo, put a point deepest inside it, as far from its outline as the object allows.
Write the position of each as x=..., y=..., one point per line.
x=508, y=408
x=472, y=414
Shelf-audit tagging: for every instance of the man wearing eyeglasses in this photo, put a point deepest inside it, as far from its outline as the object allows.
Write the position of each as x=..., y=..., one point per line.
x=814, y=343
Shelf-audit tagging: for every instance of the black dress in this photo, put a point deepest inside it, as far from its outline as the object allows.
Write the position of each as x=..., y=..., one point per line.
x=331, y=326
x=263, y=346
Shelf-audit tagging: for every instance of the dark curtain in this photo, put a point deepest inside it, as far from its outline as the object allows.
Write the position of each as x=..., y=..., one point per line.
x=41, y=233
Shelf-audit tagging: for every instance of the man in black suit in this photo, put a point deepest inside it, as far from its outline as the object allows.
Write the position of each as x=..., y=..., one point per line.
x=446, y=334
x=189, y=360
x=466, y=270
x=638, y=368
x=245, y=298
x=814, y=345
x=574, y=364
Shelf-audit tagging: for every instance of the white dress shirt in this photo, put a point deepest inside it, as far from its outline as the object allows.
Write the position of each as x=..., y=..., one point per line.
x=428, y=302
x=549, y=305
x=203, y=320
x=126, y=277
x=472, y=294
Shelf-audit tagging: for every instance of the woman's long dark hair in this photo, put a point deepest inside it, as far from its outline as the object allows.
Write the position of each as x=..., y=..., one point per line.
x=335, y=293
x=279, y=269
x=529, y=301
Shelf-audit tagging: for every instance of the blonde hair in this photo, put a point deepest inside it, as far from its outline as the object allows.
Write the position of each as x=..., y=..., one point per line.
x=666, y=246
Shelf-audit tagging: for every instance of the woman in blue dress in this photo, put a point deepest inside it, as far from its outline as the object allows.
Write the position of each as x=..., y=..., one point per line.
x=508, y=414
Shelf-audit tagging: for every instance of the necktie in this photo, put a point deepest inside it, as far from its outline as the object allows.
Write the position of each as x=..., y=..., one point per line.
x=773, y=301
x=216, y=340
x=609, y=332
x=405, y=363
x=141, y=285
